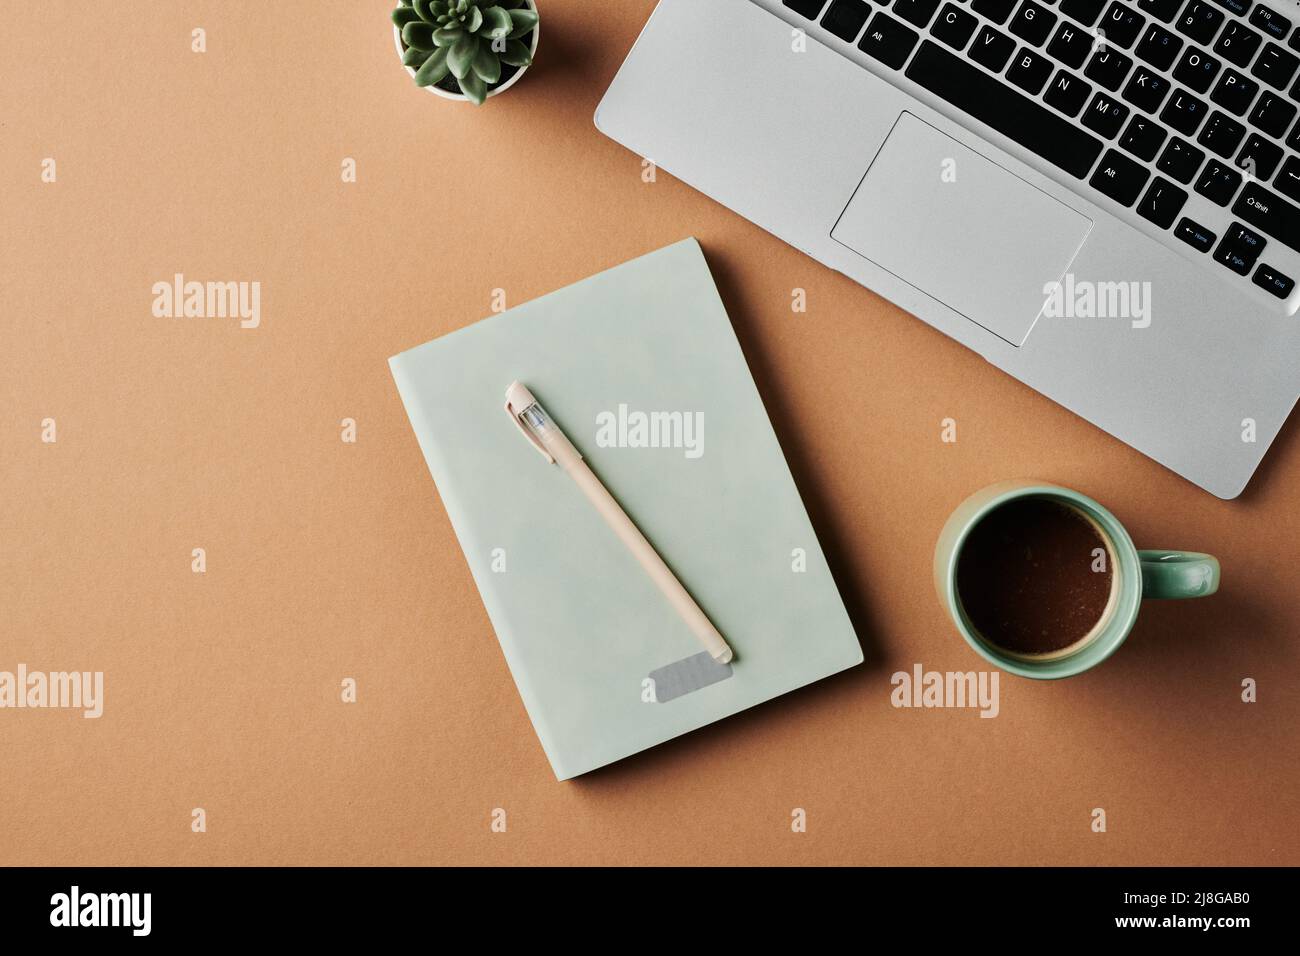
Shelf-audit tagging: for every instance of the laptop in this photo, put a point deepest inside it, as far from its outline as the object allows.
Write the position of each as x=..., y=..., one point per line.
x=1101, y=197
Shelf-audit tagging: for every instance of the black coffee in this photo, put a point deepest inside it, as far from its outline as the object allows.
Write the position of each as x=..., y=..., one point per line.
x=1027, y=576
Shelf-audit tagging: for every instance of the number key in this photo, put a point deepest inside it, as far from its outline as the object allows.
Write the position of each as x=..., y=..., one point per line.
x=1199, y=21
x=1184, y=112
x=1105, y=115
x=1159, y=47
x=1146, y=89
x=1121, y=25
x=1196, y=69
x=1238, y=43
x=1108, y=67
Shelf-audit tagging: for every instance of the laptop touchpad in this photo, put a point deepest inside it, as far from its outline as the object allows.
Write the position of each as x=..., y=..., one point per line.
x=962, y=229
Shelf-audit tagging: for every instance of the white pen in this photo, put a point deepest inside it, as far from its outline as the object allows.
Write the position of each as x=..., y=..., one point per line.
x=545, y=435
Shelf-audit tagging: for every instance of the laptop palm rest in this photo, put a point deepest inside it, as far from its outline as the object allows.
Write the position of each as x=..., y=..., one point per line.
x=961, y=228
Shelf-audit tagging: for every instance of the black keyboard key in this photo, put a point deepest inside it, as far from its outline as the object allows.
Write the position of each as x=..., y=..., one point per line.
x=1273, y=114
x=1159, y=47
x=1039, y=130
x=1239, y=7
x=1162, y=10
x=954, y=26
x=1122, y=24
x=918, y=12
x=845, y=18
x=1196, y=69
x=995, y=10
x=1218, y=182
x=1181, y=160
x=1239, y=237
x=1032, y=23
x=1221, y=134
x=1266, y=277
x=1234, y=259
x=1143, y=138
x=1162, y=203
x=1067, y=93
x=1085, y=11
x=1274, y=24
x=1199, y=21
x=806, y=8
x=1183, y=112
x=1288, y=180
x=888, y=41
x=1239, y=248
x=1119, y=178
x=1234, y=92
x=1275, y=66
x=1071, y=45
x=1259, y=157
x=1108, y=68
x=992, y=48
x=1146, y=89
x=1195, y=235
x=1029, y=70
x=1105, y=115
x=1237, y=43
x=1293, y=141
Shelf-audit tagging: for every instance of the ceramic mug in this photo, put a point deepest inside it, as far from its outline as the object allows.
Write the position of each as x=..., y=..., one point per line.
x=1138, y=575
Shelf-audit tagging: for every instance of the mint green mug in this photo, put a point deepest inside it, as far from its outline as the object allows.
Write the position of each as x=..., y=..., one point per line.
x=1136, y=575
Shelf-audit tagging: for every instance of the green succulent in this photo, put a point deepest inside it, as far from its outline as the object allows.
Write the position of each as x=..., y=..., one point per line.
x=468, y=39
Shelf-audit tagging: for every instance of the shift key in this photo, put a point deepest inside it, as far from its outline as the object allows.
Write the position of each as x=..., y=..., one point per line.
x=1270, y=213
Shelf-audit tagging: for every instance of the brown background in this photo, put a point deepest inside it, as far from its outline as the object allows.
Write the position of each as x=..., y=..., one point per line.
x=328, y=560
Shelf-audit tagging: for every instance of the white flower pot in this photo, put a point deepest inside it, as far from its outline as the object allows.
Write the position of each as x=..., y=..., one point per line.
x=461, y=97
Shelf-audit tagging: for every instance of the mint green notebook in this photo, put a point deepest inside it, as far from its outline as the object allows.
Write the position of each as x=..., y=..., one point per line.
x=641, y=368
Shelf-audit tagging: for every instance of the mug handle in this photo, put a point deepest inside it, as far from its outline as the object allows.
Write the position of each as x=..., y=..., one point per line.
x=1178, y=574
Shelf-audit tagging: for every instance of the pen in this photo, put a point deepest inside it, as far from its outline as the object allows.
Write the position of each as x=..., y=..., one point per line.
x=545, y=435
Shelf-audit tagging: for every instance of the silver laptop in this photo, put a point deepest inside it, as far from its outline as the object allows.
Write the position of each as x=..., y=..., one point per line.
x=1101, y=197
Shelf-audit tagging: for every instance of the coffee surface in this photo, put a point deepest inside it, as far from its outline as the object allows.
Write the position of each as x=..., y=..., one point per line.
x=1026, y=576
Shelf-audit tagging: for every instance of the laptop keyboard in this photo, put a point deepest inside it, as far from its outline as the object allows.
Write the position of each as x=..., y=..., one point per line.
x=1145, y=102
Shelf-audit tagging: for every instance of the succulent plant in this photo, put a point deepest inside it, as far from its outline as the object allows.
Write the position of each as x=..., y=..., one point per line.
x=468, y=39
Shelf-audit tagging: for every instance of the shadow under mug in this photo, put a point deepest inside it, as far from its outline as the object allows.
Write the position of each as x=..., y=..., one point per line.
x=1138, y=575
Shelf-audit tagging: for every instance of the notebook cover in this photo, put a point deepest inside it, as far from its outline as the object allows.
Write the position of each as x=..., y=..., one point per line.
x=581, y=625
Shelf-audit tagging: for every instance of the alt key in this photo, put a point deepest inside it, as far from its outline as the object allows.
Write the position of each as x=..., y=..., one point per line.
x=1266, y=277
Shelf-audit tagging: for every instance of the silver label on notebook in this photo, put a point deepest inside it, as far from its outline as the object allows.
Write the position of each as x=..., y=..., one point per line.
x=687, y=675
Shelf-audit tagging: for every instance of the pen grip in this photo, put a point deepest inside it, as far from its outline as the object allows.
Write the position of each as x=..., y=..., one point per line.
x=647, y=557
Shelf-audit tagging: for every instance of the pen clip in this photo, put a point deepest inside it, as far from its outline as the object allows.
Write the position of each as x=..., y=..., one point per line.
x=528, y=432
